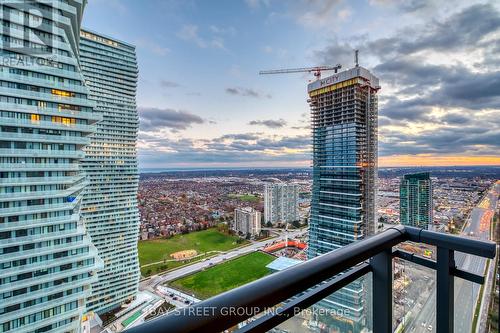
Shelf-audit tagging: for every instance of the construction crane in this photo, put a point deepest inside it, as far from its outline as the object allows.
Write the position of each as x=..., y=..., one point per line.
x=316, y=70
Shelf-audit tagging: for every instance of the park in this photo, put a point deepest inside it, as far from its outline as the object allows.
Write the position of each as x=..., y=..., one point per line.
x=158, y=255
x=225, y=276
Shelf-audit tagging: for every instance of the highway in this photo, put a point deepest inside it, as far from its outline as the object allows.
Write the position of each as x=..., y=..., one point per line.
x=150, y=284
x=466, y=293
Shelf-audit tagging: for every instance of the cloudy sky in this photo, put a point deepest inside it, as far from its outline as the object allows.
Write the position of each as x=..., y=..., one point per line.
x=202, y=103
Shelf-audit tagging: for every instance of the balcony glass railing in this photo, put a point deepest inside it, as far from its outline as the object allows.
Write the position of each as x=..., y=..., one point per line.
x=42, y=153
x=48, y=124
x=40, y=180
x=80, y=140
x=40, y=208
x=39, y=166
x=47, y=278
x=46, y=97
x=92, y=117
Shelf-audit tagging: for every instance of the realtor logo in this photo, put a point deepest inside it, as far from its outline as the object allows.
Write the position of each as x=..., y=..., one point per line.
x=27, y=27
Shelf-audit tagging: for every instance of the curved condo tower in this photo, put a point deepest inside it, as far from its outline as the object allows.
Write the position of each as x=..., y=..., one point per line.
x=47, y=262
x=109, y=207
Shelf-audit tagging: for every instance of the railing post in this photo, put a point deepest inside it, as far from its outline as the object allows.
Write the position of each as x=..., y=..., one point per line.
x=445, y=290
x=382, y=291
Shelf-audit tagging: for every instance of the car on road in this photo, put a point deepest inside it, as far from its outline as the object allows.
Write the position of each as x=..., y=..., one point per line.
x=429, y=328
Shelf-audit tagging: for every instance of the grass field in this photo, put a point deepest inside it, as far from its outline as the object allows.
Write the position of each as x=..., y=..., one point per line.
x=245, y=197
x=156, y=250
x=225, y=276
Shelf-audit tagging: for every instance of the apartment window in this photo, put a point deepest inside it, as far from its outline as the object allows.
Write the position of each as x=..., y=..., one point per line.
x=27, y=247
x=64, y=120
x=9, y=129
x=21, y=233
x=11, y=249
x=35, y=117
x=62, y=93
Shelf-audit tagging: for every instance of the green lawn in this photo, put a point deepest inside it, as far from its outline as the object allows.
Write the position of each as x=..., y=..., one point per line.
x=151, y=251
x=225, y=276
x=245, y=197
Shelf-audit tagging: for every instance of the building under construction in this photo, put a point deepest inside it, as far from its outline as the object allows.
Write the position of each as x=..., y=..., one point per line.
x=344, y=127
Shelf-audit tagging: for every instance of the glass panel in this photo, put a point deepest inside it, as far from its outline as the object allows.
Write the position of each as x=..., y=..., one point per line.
x=414, y=297
x=348, y=310
x=467, y=294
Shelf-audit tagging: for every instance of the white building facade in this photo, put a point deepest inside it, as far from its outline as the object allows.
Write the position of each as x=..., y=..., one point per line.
x=47, y=261
x=247, y=221
x=109, y=205
x=281, y=203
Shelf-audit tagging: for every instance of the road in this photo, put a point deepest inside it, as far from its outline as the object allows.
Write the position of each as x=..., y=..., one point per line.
x=151, y=283
x=466, y=293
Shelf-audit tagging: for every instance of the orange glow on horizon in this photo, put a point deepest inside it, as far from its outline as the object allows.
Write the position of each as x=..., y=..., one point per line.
x=432, y=160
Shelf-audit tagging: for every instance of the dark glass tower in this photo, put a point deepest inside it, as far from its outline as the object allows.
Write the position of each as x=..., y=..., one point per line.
x=344, y=126
x=415, y=200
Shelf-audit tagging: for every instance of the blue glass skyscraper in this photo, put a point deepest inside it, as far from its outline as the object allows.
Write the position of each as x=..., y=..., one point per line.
x=344, y=125
x=415, y=200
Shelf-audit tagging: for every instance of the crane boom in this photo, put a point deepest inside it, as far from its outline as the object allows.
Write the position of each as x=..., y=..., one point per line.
x=317, y=70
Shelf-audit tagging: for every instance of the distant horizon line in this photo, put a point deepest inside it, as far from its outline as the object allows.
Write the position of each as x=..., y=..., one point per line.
x=180, y=169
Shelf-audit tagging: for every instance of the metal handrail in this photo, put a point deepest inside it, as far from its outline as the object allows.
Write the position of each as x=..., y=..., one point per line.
x=214, y=314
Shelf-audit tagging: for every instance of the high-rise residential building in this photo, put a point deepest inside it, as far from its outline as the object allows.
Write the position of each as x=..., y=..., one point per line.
x=344, y=124
x=281, y=203
x=247, y=221
x=47, y=261
x=109, y=206
x=415, y=200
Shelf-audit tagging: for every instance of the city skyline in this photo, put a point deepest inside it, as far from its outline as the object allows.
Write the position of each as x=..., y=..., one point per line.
x=202, y=103
x=90, y=95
